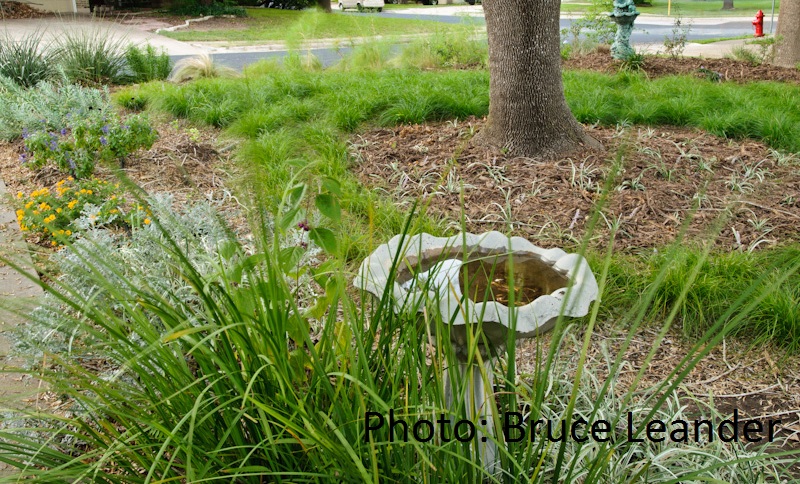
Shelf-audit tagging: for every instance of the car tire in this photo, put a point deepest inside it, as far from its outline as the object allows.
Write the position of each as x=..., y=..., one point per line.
x=380, y=9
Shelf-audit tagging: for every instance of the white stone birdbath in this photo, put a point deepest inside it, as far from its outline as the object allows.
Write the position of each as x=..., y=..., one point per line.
x=546, y=283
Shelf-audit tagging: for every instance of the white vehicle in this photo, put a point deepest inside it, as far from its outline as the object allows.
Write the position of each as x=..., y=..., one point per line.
x=362, y=5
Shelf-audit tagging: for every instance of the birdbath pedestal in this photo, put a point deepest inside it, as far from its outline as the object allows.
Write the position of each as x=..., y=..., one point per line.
x=624, y=15
x=488, y=281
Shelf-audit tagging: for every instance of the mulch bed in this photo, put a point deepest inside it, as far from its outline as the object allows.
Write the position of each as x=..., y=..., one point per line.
x=551, y=202
x=17, y=10
x=724, y=69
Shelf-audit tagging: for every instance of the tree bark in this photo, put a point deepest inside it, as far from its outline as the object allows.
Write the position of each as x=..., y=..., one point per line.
x=727, y=5
x=787, y=48
x=325, y=5
x=528, y=114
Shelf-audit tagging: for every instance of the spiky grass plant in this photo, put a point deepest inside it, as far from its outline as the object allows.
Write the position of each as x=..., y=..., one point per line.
x=92, y=56
x=147, y=64
x=26, y=61
x=199, y=67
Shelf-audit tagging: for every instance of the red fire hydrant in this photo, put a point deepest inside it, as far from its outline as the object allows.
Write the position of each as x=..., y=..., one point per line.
x=759, y=23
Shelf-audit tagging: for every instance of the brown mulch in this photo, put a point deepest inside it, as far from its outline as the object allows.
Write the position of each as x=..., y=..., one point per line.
x=17, y=10
x=723, y=69
x=551, y=202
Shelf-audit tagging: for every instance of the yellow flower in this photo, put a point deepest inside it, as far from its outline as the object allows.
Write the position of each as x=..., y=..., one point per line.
x=36, y=212
x=20, y=194
x=23, y=227
x=49, y=219
x=72, y=204
x=53, y=243
x=68, y=232
x=29, y=204
x=61, y=182
x=113, y=210
x=147, y=221
x=20, y=214
x=58, y=210
x=69, y=178
x=88, y=192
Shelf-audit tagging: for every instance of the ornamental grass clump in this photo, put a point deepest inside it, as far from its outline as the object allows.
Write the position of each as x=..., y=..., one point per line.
x=26, y=61
x=76, y=148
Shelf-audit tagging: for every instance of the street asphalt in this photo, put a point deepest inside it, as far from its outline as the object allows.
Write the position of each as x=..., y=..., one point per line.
x=649, y=34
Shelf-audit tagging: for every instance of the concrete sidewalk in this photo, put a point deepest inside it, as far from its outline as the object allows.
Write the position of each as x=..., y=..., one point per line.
x=53, y=28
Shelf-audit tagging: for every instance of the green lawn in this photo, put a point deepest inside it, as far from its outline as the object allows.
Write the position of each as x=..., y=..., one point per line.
x=690, y=8
x=266, y=24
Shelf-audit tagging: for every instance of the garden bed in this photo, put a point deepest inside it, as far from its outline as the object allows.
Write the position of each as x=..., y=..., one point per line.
x=713, y=69
x=667, y=172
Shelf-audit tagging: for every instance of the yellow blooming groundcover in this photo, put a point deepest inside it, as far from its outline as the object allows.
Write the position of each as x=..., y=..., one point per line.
x=49, y=215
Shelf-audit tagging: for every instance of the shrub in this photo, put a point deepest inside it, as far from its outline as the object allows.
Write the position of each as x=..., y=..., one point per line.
x=25, y=61
x=148, y=65
x=92, y=57
x=195, y=8
x=53, y=217
x=82, y=142
x=47, y=106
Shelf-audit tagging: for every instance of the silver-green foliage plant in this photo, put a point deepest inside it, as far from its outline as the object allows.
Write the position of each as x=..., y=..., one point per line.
x=26, y=61
x=48, y=105
x=130, y=264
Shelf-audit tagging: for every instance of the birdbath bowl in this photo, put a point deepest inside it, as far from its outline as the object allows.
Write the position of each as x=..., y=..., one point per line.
x=488, y=281
x=499, y=281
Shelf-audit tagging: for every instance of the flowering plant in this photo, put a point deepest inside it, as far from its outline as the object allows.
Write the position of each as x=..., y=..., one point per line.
x=73, y=205
x=77, y=147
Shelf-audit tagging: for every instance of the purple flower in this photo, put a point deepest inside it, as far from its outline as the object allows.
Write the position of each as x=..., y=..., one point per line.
x=54, y=145
x=63, y=131
x=304, y=225
x=304, y=245
x=105, y=129
x=72, y=164
x=103, y=140
x=25, y=133
x=23, y=158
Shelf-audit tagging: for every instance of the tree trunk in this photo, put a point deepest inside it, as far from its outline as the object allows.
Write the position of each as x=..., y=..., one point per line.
x=325, y=5
x=787, y=48
x=727, y=5
x=528, y=115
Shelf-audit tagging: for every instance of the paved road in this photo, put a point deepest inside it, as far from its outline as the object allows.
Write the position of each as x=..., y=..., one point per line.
x=647, y=32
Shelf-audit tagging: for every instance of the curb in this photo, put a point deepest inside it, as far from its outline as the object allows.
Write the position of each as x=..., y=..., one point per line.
x=185, y=24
